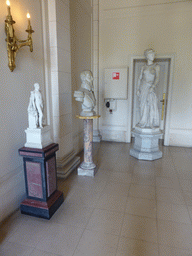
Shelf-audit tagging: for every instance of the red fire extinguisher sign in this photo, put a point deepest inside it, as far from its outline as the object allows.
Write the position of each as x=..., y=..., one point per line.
x=115, y=75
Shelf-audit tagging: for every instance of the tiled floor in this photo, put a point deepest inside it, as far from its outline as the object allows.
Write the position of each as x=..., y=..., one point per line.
x=130, y=208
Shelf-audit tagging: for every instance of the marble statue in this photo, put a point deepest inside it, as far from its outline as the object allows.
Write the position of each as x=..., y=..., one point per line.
x=85, y=95
x=147, y=82
x=35, y=108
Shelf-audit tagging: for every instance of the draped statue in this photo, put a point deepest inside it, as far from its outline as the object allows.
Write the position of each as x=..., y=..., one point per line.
x=147, y=82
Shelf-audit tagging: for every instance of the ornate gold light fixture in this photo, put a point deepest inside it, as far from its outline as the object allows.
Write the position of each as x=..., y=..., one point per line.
x=13, y=43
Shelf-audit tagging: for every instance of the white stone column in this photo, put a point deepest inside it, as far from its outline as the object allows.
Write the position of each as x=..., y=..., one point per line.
x=95, y=67
x=59, y=30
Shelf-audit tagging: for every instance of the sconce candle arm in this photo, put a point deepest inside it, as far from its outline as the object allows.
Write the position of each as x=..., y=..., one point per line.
x=13, y=43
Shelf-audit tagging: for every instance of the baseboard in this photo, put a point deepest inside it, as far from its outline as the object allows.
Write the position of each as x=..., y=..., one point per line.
x=12, y=192
x=113, y=135
x=96, y=136
x=67, y=164
x=180, y=137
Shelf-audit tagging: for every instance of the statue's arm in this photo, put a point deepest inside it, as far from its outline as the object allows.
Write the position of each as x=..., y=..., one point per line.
x=139, y=81
x=157, y=76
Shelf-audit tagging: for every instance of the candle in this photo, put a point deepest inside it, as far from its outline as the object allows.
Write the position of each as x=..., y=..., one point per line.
x=28, y=17
x=8, y=7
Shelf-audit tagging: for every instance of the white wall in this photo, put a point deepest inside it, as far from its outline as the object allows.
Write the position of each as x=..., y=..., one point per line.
x=81, y=33
x=128, y=28
x=14, y=98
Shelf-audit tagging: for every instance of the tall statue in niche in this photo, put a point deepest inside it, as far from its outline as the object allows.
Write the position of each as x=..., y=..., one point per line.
x=86, y=94
x=147, y=82
x=35, y=108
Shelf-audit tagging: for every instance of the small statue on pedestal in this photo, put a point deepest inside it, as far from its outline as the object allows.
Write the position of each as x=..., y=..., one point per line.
x=35, y=108
x=148, y=80
x=86, y=94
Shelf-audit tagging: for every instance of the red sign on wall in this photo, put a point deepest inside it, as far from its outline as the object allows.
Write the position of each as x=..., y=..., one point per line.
x=115, y=75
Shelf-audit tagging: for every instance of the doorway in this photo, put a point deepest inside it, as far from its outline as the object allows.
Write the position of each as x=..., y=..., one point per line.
x=163, y=92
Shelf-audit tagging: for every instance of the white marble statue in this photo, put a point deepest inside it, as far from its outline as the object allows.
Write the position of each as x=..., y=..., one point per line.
x=35, y=108
x=147, y=82
x=86, y=94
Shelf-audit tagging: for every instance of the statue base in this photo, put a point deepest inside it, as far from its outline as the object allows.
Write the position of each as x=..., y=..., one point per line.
x=146, y=145
x=38, y=137
x=87, y=169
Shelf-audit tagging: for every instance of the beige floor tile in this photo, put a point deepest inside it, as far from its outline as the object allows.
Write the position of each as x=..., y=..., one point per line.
x=143, y=179
x=177, y=213
x=121, y=177
x=84, y=198
x=185, y=174
x=165, y=182
x=182, y=163
x=190, y=211
x=139, y=228
x=72, y=215
x=165, y=168
x=141, y=191
x=164, y=211
x=94, y=243
x=106, y=221
x=170, y=196
x=15, y=249
x=186, y=185
x=90, y=183
x=111, y=202
x=29, y=232
x=42, y=253
x=116, y=189
x=170, y=251
x=180, y=214
x=175, y=234
x=188, y=197
x=141, y=207
x=133, y=247
x=60, y=239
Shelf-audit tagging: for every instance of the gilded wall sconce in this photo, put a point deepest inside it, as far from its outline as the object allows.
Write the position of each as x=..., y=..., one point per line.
x=13, y=43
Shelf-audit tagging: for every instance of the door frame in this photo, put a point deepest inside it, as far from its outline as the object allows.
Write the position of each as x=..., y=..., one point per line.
x=131, y=94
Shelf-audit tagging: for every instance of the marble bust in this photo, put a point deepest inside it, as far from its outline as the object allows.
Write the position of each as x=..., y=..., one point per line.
x=35, y=108
x=85, y=95
x=147, y=82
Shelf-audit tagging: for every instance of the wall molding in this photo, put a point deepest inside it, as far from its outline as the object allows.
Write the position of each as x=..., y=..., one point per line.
x=143, y=10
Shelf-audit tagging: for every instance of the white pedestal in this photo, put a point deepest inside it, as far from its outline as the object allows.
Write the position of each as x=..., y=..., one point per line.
x=38, y=137
x=146, y=145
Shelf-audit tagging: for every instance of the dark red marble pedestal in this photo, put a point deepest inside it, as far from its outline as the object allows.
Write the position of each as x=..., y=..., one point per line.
x=43, y=198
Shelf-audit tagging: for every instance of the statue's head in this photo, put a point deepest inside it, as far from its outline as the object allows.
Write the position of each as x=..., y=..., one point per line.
x=36, y=85
x=149, y=54
x=86, y=76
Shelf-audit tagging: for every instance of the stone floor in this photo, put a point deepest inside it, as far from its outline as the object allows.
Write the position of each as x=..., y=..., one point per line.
x=130, y=208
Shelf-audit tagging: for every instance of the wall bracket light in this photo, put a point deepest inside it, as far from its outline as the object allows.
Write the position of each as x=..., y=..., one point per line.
x=13, y=43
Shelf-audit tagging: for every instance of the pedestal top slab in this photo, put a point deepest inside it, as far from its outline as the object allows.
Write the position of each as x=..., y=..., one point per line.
x=88, y=117
x=36, y=152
